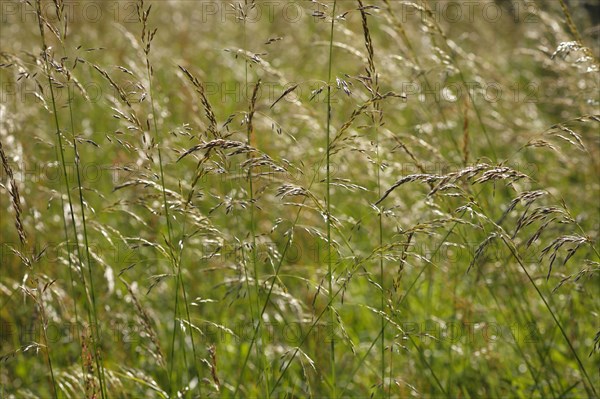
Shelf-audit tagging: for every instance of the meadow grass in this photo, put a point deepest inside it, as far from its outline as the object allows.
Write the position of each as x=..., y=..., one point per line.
x=299, y=199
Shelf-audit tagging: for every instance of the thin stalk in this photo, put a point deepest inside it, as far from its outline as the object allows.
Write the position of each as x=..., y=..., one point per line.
x=312, y=326
x=451, y=54
x=268, y=296
x=417, y=60
x=328, y=199
x=381, y=279
x=376, y=119
x=45, y=334
x=174, y=262
x=71, y=279
x=401, y=301
x=530, y=367
x=60, y=14
x=187, y=308
x=171, y=258
x=556, y=321
x=249, y=132
x=515, y=253
x=276, y=276
x=89, y=262
x=91, y=312
x=147, y=37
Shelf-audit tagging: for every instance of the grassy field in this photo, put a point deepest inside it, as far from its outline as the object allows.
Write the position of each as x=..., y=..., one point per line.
x=299, y=199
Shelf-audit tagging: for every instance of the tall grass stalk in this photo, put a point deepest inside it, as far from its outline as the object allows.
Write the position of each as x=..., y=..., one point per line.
x=253, y=300
x=89, y=262
x=69, y=253
x=261, y=356
x=452, y=56
x=92, y=312
x=398, y=304
x=40, y=299
x=147, y=37
x=332, y=318
x=282, y=257
x=274, y=278
x=358, y=263
x=376, y=117
x=590, y=386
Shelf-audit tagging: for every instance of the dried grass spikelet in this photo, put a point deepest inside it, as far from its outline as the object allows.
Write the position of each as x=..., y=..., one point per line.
x=477, y=174
x=251, y=110
x=465, y=139
x=13, y=189
x=220, y=144
x=575, y=242
x=147, y=325
x=212, y=351
x=210, y=115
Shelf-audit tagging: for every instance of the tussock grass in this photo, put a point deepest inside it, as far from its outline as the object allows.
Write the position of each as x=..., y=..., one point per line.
x=311, y=199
